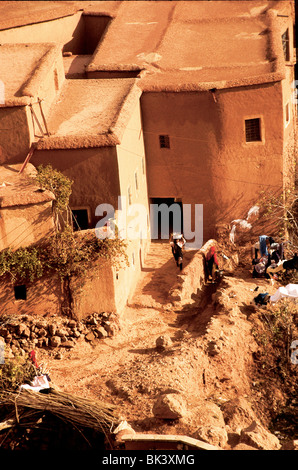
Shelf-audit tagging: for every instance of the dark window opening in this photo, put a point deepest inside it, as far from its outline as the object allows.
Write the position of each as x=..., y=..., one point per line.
x=286, y=45
x=80, y=219
x=164, y=141
x=20, y=292
x=253, y=130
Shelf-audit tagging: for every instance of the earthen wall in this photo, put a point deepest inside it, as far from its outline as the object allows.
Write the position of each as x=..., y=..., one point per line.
x=209, y=161
x=21, y=226
x=93, y=170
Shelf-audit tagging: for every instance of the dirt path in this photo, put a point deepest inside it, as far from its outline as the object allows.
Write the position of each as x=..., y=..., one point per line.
x=148, y=316
x=128, y=371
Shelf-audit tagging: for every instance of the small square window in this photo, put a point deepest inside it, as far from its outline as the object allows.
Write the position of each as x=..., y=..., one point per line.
x=80, y=219
x=20, y=292
x=164, y=141
x=253, y=130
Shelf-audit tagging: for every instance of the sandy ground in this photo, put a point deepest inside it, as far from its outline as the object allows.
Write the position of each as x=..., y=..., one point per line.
x=128, y=371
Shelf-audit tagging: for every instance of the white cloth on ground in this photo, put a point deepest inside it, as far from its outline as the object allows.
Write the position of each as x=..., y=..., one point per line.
x=289, y=291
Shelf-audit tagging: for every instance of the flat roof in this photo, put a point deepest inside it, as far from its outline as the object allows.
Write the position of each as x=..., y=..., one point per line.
x=20, y=13
x=174, y=45
x=19, y=189
x=171, y=41
x=90, y=113
x=22, y=67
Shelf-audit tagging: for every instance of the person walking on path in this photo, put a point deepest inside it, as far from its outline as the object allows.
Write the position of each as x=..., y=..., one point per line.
x=212, y=263
x=177, y=243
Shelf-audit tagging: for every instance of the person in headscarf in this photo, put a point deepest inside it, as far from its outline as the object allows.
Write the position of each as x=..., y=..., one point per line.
x=212, y=263
x=177, y=243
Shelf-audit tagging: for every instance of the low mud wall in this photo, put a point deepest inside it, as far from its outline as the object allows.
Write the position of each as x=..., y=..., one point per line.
x=192, y=277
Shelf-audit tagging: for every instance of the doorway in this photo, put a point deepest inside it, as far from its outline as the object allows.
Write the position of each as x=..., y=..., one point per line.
x=166, y=217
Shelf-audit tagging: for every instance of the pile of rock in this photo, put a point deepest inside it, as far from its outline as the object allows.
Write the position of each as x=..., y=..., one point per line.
x=28, y=332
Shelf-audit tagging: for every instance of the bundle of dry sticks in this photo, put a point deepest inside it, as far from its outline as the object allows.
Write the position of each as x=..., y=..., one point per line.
x=26, y=405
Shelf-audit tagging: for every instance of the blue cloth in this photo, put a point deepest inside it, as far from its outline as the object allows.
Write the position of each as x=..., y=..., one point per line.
x=263, y=246
x=261, y=299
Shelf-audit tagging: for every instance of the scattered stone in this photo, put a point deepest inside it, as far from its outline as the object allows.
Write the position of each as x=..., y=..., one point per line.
x=76, y=333
x=243, y=447
x=290, y=445
x=8, y=338
x=237, y=413
x=42, y=332
x=3, y=332
x=211, y=425
x=169, y=406
x=52, y=329
x=23, y=330
x=163, y=342
x=72, y=324
x=256, y=436
x=215, y=435
x=100, y=332
x=41, y=324
x=67, y=344
x=90, y=336
x=63, y=332
x=55, y=341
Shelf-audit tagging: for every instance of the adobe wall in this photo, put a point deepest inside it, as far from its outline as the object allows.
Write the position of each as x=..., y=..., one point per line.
x=15, y=134
x=209, y=161
x=132, y=175
x=60, y=30
x=44, y=296
x=192, y=278
x=79, y=32
x=97, y=290
x=19, y=127
x=93, y=292
x=21, y=226
x=94, y=170
x=290, y=128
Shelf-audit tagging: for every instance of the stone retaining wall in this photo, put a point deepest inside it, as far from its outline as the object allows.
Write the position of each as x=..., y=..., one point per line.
x=192, y=278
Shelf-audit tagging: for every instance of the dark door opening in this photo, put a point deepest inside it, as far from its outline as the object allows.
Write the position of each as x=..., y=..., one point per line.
x=166, y=216
x=20, y=292
x=80, y=219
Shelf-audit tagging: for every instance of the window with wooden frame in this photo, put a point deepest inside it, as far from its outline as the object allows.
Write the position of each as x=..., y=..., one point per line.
x=286, y=45
x=253, y=130
x=164, y=141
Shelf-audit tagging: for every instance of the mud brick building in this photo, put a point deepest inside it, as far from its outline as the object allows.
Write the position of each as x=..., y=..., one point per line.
x=160, y=102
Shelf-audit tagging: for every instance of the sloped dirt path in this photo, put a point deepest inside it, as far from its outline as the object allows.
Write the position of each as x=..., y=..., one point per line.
x=148, y=316
x=128, y=371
